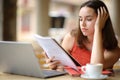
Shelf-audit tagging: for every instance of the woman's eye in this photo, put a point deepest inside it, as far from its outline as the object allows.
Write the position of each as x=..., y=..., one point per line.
x=89, y=19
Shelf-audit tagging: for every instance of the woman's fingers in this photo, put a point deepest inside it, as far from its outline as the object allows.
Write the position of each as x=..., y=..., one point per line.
x=48, y=60
x=101, y=11
x=54, y=64
x=105, y=13
x=60, y=68
x=101, y=18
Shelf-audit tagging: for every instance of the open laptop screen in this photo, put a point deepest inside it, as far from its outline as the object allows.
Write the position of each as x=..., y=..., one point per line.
x=19, y=58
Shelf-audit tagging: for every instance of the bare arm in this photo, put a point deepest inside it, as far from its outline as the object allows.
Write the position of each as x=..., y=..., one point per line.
x=97, y=49
x=99, y=55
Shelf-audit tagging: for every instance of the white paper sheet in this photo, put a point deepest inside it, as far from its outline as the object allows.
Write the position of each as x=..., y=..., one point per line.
x=52, y=48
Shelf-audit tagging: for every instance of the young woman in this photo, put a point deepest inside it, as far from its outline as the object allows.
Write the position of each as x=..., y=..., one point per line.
x=95, y=41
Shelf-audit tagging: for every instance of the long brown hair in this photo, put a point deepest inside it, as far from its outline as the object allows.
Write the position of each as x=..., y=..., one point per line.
x=109, y=40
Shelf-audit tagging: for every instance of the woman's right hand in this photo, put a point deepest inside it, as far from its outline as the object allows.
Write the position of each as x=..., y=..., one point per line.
x=54, y=64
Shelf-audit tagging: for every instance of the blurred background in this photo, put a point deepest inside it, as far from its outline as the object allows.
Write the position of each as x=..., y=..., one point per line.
x=21, y=19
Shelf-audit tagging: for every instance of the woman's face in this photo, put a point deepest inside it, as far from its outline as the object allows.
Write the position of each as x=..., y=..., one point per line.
x=87, y=18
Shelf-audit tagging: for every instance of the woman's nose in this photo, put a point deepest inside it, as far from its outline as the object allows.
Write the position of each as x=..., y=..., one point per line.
x=83, y=23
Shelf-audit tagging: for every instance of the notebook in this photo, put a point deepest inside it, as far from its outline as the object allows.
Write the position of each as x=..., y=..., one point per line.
x=53, y=48
x=19, y=58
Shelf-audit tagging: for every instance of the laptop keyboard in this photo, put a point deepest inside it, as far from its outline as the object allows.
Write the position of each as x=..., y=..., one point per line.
x=53, y=72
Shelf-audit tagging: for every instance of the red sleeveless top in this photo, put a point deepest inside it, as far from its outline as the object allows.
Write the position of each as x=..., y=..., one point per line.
x=82, y=56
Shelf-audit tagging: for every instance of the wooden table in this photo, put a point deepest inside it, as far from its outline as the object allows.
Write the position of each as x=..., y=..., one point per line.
x=4, y=76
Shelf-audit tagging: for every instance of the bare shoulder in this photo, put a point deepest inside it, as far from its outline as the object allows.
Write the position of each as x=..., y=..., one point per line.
x=68, y=42
x=70, y=36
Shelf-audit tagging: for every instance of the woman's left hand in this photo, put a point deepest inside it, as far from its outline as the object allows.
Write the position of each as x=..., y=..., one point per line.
x=101, y=18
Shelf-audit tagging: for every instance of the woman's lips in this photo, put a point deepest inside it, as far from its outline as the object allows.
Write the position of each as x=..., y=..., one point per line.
x=84, y=29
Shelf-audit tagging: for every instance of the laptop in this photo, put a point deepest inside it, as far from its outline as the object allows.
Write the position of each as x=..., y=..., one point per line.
x=19, y=58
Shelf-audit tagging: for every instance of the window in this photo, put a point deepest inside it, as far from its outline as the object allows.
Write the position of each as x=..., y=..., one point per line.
x=57, y=22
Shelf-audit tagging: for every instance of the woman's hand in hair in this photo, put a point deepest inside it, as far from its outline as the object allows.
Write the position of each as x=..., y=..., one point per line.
x=101, y=18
